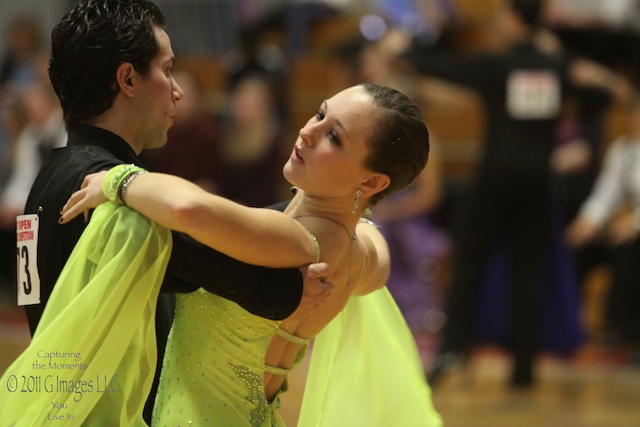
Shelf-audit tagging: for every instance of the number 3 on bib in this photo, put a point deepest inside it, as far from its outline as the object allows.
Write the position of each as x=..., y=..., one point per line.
x=27, y=259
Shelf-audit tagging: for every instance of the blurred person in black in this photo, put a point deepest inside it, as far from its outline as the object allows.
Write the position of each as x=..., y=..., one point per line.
x=522, y=89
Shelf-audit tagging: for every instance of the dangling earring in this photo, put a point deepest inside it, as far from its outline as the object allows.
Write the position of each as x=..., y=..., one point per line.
x=356, y=201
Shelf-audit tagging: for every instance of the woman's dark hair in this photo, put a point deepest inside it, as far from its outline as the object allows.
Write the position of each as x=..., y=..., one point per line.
x=399, y=145
x=88, y=46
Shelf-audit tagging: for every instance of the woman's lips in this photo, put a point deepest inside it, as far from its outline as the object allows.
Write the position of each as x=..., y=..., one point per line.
x=296, y=155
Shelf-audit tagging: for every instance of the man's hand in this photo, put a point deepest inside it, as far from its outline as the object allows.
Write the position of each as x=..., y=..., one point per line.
x=315, y=289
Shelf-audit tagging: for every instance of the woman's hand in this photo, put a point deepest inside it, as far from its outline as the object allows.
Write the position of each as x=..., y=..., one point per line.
x=88, y=197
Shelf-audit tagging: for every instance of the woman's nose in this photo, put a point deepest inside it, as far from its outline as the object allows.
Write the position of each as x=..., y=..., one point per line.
x=310, y=133
x=307, y=136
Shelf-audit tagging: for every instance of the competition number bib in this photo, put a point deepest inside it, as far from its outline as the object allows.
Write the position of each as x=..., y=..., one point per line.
x=27, y=255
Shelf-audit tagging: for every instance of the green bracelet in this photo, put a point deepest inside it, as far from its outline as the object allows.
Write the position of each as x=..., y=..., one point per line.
x=114, y=181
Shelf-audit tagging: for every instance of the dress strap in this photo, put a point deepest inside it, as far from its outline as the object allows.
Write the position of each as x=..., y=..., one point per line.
x=315, y=241
x=293, y=338
x=277, y=371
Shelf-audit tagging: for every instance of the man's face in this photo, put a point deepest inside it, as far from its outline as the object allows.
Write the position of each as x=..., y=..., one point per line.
x=157, y=96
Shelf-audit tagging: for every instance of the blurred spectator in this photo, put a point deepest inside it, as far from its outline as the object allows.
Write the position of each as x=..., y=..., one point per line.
x=13, y=120
x=575, y=162
x=293, y=19
x=19, y=64
x=254, y=144
x=611, y=216
x=233, y=149
x=192, y=150
x=43, y=131
x=575, y=158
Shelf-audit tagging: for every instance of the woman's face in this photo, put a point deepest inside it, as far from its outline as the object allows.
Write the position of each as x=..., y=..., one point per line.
x=328, y=157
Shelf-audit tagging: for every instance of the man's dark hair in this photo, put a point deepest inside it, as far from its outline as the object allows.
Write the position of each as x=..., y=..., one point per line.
x=90, y=43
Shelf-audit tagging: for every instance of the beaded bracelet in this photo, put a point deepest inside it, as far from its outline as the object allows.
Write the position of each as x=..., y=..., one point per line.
x=124, y=185
x=113, y=184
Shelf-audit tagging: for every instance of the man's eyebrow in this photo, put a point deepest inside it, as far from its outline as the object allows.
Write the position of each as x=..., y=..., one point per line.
x=325, y=105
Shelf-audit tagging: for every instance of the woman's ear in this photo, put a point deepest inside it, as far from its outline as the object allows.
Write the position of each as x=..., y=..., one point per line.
x=124, y=77
x=374, y=184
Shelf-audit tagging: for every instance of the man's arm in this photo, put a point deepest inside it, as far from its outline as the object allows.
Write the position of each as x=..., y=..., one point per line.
x=269, y=293
x=266, y=292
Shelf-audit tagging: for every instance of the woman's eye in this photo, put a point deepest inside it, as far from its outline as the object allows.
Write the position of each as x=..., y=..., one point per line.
x=334, y=138
x=332, y=135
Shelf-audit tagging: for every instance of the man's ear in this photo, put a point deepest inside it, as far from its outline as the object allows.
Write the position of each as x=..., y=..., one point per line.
x=125, y=78
x=374, y=184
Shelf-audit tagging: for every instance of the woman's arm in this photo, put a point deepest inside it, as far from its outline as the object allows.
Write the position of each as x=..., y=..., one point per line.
x=252, y=235
x=377, y=264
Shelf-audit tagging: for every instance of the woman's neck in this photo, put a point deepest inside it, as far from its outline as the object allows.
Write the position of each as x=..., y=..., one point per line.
x=338, y=212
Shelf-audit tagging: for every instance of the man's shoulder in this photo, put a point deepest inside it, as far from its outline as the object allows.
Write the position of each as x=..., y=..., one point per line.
x=79, y=159
x=64, y=171
x=84, y=154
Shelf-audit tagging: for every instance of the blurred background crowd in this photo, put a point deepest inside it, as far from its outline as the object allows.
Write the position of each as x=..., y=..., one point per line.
x=254, y=71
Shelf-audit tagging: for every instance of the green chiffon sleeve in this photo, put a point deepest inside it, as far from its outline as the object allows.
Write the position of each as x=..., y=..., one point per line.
x=92, y=358
x=365, y=370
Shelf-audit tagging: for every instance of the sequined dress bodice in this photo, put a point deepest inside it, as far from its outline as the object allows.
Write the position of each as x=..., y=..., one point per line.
x=213, y=369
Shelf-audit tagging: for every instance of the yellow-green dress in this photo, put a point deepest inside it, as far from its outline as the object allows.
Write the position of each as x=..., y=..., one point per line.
x=365, y=368
x=214, y=366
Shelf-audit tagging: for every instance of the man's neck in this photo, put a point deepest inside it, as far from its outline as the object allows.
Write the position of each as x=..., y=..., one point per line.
x=106, y=122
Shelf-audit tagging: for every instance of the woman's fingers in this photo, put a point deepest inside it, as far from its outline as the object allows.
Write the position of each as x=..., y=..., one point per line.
x=82, y=201
x=74, y=206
